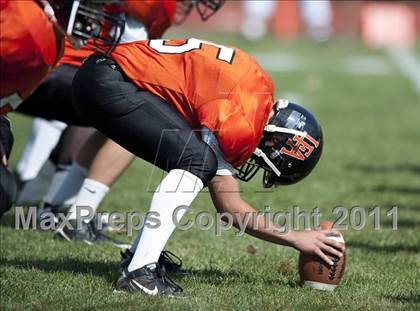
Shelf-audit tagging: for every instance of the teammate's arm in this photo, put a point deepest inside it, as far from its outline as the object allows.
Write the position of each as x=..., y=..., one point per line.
x=226, y=197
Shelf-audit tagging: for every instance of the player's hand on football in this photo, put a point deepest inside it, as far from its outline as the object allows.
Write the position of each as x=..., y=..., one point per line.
x=316, y=242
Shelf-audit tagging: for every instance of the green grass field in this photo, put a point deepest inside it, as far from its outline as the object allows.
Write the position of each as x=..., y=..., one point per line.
x=371, y=158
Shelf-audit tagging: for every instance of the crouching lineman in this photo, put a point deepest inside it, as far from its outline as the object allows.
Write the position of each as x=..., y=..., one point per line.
x=32, y=41
x=152, y=97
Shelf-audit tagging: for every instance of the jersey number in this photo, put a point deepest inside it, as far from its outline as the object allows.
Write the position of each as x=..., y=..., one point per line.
x=223, y=53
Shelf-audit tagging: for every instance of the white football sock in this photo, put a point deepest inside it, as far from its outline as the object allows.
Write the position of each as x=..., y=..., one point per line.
x=42, y=140
x=178, y=188
x=90, y=195
x=65, y=185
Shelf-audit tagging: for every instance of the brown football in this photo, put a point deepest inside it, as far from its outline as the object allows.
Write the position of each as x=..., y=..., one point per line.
x=315, y=273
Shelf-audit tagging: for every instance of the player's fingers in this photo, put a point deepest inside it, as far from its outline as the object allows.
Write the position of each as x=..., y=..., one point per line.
x=331, y=250
x=323, y=256
x=334, y=244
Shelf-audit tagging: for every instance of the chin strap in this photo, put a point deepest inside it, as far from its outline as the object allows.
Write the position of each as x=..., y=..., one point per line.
x=259, y=153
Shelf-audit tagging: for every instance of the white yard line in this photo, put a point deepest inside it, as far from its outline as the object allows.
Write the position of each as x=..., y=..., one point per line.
x=408, y=64
x=280, y=62
x=366, y=65
x=354, y=65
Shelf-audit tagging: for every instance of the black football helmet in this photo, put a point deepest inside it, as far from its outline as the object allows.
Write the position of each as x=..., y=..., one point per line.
x=205, y=8
x=290, y=148
x=99, y=20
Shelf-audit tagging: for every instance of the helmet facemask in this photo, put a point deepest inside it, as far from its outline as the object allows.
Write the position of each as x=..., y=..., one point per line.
x=82, y=20
x=205, y=8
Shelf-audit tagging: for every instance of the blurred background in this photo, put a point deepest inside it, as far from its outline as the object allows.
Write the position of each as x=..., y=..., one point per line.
x=361, y=38
x=377, y=23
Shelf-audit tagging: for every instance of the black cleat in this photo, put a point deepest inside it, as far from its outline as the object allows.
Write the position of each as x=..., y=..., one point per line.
x=168, y=261
x=87, y=233
x=125, y=260
x=150, y=280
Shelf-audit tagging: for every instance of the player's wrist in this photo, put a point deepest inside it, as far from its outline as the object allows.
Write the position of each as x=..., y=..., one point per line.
x=290, y=239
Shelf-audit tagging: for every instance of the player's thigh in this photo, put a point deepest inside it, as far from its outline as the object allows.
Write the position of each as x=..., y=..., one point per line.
x=158, y=134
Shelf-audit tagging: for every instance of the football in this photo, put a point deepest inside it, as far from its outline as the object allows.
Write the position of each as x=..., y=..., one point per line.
x=315, y=273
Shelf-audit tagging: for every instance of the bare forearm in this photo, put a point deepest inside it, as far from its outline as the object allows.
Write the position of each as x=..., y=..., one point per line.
x=256, y=224
x=242, y=214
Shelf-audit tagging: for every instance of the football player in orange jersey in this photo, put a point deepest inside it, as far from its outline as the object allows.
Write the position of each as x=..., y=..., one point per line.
x=32, y=35
x=32, y=39
x=157, y=15
x=197, y=109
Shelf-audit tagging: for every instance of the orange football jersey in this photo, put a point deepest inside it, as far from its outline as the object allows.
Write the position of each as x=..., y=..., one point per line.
x=30, y=47
x=213, y=86
x=156, y=15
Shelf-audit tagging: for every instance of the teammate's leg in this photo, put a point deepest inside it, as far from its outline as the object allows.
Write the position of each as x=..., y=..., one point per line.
x=53, y=100
x=70, y=173
x=317, y=16
x=42, y=140
x=256, y=15
x=34, y=171
x=71, y=143
x=71, y=188
x=109, y=164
